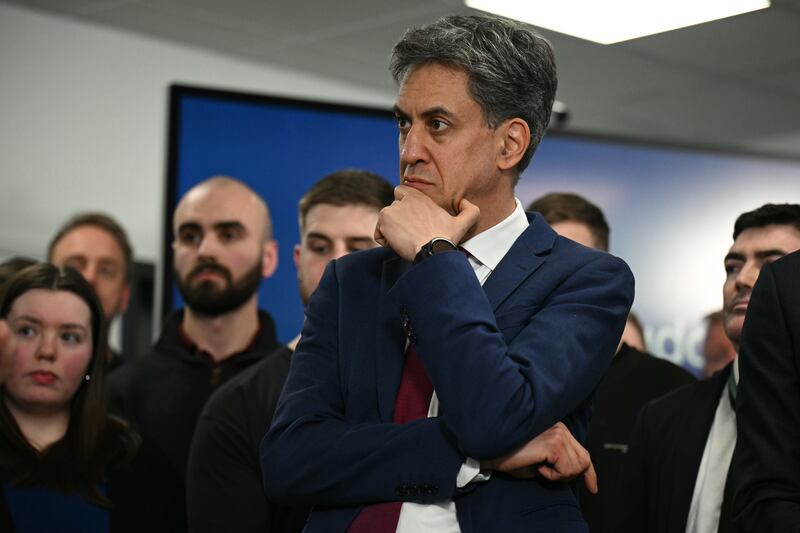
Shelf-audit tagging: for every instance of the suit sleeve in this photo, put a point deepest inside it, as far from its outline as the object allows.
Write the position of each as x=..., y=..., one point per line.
x=766, y=464
x=314, y=455
x=500, y=387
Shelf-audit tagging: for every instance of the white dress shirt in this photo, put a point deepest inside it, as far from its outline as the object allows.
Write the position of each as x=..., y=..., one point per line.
x=709, y=488
x=485, y=252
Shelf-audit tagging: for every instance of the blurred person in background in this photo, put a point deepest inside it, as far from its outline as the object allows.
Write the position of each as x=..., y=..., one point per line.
x=634, y=378
x=97, y=246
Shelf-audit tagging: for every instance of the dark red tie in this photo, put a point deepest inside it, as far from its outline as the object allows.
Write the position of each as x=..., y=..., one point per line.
x=413, y=400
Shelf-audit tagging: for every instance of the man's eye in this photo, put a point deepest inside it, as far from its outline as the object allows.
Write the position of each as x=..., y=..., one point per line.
x=229, y=235
x=75, y=263
x=732, y=268
x=319, y=249
x=108, y=272
x=438, y=125
x=403, y=123
x=189, y=237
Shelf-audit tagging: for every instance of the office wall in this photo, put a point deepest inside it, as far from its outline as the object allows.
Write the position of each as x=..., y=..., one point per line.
x=83, y=116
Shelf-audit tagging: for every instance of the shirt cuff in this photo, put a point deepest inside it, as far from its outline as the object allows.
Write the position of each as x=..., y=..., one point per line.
x=470, y=472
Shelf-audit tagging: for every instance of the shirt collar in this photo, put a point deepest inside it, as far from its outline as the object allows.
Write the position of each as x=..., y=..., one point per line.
x=491, y=245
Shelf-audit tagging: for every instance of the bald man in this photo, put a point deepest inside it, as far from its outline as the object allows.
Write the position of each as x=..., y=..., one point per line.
x=223, y=248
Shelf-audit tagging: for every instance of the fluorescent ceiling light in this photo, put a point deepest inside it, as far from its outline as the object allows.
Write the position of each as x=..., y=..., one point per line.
x=612, y=21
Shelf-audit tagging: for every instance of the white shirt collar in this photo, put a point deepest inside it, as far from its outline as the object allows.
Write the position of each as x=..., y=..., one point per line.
x=491, y=245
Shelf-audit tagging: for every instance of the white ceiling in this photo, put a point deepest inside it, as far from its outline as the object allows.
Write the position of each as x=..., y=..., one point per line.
x=733, y=83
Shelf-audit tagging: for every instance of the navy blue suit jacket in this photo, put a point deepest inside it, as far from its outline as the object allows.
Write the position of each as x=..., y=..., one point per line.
x=507, y=360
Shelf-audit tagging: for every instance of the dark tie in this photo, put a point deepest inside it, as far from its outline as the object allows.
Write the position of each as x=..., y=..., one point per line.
x=412, y=402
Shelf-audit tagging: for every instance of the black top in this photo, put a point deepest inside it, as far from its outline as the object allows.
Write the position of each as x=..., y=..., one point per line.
x=765, y=469
x=224, y=485
x=162, y=394
x=115, y=362
x=633, y=379
x=660, y=469
x=6, y=524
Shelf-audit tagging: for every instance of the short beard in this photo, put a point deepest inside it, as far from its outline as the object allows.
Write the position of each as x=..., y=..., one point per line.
x=207, y=299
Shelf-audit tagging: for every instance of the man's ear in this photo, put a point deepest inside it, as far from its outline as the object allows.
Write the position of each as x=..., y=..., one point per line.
x=269, y=258
x=297, y=249
x=515, y=137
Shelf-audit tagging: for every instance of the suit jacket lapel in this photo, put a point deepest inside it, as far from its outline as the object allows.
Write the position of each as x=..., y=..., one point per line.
x=525, y=256
x=391, y=339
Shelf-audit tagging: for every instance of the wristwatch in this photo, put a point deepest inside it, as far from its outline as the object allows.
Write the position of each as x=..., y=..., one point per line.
x=436, y=245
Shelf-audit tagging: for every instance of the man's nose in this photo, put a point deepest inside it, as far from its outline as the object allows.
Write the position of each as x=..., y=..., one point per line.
x=413, y=147
x=89, y=273
x=747, y=276
x=339, y=250
x=208, y=246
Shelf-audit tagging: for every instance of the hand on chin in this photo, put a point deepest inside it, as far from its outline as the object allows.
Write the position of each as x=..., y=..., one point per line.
x=414, y=218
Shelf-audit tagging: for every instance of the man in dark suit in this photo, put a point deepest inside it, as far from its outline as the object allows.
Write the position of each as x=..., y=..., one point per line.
x=425, y=375
x=766, y=466
x=634, y=377
x=677, y=466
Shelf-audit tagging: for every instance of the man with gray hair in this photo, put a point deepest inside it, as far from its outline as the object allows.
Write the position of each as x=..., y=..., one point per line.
x=438, y=390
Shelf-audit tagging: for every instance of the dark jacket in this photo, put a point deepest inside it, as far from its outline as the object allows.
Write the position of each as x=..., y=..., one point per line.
x=162, y=394
x=660, y=469
x=765, y=469
x=634, y=379
x=225, y=491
